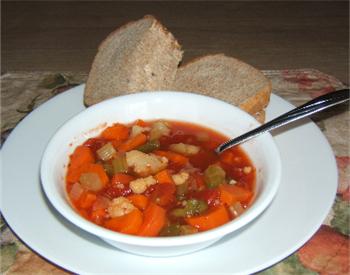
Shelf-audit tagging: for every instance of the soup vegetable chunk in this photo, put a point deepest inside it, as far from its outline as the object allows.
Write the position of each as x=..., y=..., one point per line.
x=159, y=178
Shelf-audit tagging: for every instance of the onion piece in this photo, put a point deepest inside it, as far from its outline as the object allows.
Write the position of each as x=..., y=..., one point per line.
x=76, y=191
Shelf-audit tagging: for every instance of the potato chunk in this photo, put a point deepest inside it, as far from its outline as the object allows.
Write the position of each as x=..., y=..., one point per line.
x=136, y=129
x=145, y=164
x=159, y=128
x=180, y=178
x=119, y=207
x=184, y=149
x=140, y=185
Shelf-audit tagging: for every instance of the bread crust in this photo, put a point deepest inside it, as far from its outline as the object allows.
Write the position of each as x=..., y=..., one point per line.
x=89, y=97
x=258, y=102
x=253, y=104
x=147, y=16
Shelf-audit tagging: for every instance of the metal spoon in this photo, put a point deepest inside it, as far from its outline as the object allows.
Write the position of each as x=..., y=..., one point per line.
x=311, y=107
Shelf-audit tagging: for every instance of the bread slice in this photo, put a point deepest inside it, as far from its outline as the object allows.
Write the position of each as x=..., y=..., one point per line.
x=139, y=56
x=228, y=79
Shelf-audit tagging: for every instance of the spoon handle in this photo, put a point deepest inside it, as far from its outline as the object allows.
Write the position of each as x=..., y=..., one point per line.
x=313, y=106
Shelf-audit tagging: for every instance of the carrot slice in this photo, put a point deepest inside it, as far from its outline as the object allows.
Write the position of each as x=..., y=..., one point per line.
x=214, y=218
x=74, y=174
x=133, y=143
x=140, y=123
x=121, y=178
x=128, y=224
x=226, y=197
x=164, y=176
x=80, y=156
x=87, y=200
x=98, y=215
x=97, y=169
x=153, y=220
x=116, y=132
x=140, y=201
x=230, y=194
x=176, y=158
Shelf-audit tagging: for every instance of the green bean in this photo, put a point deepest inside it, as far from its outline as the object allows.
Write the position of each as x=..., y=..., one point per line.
x=170, y=230
x=214, y=175
x=177, y=230
x=192, y=207
x=178, y=212
x=195, y=207
x=187, y=230
x=149, y=146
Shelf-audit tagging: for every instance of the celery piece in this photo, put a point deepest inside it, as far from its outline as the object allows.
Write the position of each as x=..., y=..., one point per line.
x=108, y=167
x=90, y=181
x=149, y=146
x=214, y=175
x=119, y=164
x=187, y=230
x=106, y=152
x=170, y=230
x=182, y=189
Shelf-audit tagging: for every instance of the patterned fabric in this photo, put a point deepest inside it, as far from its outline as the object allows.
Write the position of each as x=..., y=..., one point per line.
x=327, y=252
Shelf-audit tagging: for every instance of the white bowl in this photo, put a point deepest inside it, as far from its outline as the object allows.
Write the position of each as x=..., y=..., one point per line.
x=180, y=106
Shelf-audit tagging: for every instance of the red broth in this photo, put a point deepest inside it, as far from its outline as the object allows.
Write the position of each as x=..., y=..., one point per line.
x=159, y=178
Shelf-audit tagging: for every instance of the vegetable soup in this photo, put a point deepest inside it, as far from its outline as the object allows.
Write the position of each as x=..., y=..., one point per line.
x=159, y=178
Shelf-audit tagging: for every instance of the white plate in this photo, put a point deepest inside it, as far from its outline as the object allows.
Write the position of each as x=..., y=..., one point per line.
x=304, y=199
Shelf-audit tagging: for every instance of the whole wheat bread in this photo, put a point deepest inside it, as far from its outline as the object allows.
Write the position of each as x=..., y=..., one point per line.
x=139, y=56
x=142, y=55
x=228, y=79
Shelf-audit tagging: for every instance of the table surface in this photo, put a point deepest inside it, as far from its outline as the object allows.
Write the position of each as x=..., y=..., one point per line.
x=327, y=252
x=63, y=36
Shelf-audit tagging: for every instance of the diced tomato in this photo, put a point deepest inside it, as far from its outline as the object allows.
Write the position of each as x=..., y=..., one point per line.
x=119, y=186
x=197, y=182
x=163, y=194
x=121, y=178
x=203, y=159
x=211, y=196
x=95, y=143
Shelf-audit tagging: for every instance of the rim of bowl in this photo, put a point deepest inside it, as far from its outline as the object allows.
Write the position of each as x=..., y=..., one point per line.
x=64, y=207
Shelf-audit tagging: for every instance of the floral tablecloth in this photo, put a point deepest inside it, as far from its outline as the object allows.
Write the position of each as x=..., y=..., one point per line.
x=327, y=252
